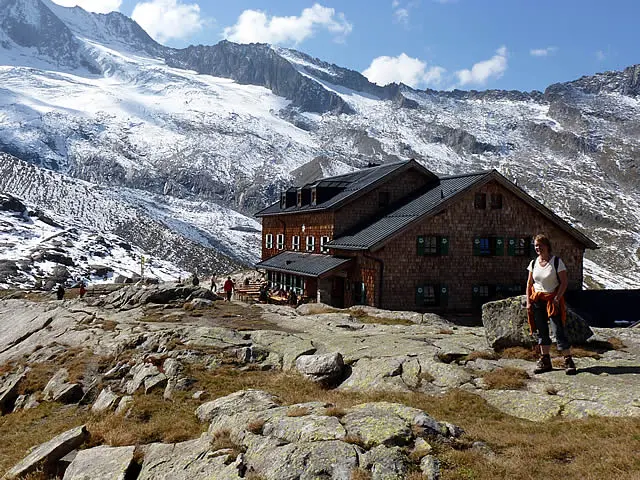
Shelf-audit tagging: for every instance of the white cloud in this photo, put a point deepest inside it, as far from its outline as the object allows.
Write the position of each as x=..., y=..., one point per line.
x=254, y=26
x=402, y=15
x=600, y=55
x=483, y=71
x=543, y=52
x=395, y=3
x=97, y=6
x=168, y=19
x=403, y=68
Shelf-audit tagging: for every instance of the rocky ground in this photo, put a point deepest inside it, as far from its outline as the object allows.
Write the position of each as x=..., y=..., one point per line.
x=108, y=355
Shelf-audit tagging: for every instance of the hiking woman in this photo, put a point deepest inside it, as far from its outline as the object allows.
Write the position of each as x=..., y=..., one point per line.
x=546, y=286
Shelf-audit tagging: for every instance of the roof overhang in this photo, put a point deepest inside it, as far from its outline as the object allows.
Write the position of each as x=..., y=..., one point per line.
x=304, y=264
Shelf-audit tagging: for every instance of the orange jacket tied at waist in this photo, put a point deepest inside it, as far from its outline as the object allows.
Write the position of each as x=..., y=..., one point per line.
x=553, y=309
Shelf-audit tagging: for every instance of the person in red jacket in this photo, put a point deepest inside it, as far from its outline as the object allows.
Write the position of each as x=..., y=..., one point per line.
x=228, y=288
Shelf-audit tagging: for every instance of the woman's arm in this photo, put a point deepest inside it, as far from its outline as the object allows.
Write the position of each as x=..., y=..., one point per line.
x=564, y=283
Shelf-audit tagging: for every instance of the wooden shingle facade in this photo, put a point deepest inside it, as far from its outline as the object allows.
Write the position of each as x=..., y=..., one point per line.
x=403, y=238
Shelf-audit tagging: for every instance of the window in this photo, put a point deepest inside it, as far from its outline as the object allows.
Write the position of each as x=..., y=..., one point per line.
x=432, y=245
x=314, y=196
x=383, y=199
x=268, y=240
x=323, y=241
x=488, y=246
x=311, y=244
x=299, y=198
x=480, y=201
x=280, y=241
x=520, y=247
x=432, y=295
x=496, y=201
x=295, y=243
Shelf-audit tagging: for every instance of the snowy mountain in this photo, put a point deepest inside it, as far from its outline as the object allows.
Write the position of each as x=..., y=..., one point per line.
x=179, y=147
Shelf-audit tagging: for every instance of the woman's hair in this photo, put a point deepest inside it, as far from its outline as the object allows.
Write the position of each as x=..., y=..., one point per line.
x=542, y=238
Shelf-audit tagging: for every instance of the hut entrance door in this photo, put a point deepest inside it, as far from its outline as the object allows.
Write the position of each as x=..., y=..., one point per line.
x=337, y=292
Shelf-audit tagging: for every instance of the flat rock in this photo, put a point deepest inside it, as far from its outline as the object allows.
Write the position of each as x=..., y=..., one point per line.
x=377, y=427
x=48, y=453
x=376, y=374
x=106, y=401
x=243, y=401
x=521, y=404
x=100, y=463
x=191, y=460
x=307, y=428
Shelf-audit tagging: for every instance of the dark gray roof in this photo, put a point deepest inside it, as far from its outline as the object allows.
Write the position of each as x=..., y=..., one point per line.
x=354, y=184
x=306, y=264
x=403, y=216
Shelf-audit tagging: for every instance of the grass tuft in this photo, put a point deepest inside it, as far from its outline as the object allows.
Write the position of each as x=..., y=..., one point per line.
x=360, y=474
x=508, y=378
x=298, y=412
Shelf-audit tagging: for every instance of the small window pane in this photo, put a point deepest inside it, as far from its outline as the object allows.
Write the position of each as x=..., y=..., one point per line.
x=481, y=201
x=485, y=246
x=431, y=245
x=496, y=201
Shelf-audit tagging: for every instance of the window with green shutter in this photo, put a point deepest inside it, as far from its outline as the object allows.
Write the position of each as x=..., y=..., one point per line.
x=420, y=245
x=419, y=295
x=511, y=247
x=444, y=245
x=499, y=246
x=444, y=296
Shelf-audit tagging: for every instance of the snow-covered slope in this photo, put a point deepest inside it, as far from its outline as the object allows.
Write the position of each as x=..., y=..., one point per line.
x=176, y=142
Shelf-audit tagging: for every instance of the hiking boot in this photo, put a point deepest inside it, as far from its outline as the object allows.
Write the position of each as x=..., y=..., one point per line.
x=569, y=366
x=543, y=365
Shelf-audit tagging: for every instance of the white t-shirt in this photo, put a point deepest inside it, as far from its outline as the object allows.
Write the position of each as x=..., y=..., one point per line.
x=545, y=278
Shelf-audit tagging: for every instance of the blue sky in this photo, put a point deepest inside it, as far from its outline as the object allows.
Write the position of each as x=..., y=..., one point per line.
x=468, y=44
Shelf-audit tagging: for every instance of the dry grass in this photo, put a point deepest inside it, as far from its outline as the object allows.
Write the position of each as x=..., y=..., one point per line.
x=222, y=440
x=507, y=378
x=360, y=474
x=298, y=412
x=335, y=412
x=256, y=426
x=482, y=354
x=521, y=353
x=151, y=419
x=355, y=440
x=586, y=449
x=446, y=331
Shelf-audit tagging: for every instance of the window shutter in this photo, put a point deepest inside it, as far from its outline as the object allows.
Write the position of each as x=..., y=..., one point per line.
x=419, y=295
x=420, y=245
x=511, y=247
x=444, y=245
x=444, y=295
x=532, y=248
x=499, y=250
x=476, y=246
x=475, y=292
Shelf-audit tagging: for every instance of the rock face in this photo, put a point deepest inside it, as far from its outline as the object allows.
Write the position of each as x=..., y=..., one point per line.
x=9, y=391
x=100, y=463
x=505, y=323
x=325, y=369
x=45, y=455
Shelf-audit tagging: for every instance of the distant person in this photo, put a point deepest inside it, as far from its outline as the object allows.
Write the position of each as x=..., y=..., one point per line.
x=293, y=299
x=195, y=281
x=213, y=287
x=228, y=288
x=264, y=293
x=83, y=290
x=546, y=286
x=246, y=281
x=60, y=292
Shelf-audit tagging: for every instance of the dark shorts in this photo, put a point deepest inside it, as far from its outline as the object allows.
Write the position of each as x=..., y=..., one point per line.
x=228, y=295
x=542, y=321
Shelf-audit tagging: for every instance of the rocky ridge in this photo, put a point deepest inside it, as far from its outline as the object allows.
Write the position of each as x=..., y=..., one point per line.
x=251, y=430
